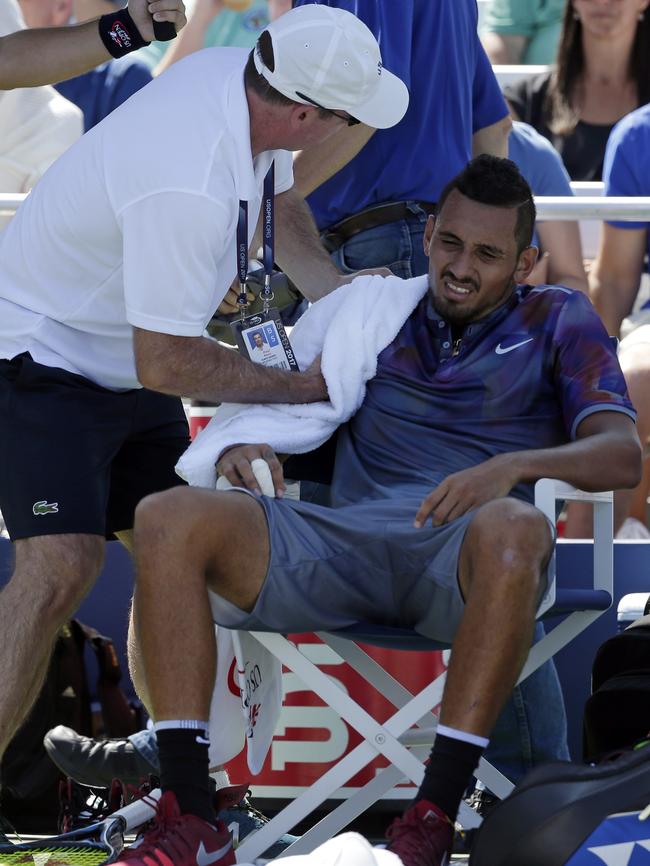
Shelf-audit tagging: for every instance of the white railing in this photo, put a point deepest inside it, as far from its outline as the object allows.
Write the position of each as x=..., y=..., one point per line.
x=549, y=207
x=625, y=208
x=10, y=202
x=509, y=74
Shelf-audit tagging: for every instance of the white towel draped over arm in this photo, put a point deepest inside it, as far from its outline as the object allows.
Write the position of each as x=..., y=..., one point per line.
x=348, y=328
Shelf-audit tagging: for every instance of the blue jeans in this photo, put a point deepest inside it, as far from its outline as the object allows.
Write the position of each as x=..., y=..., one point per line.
x=145, y=742
x=397, y=245
x=532, y=727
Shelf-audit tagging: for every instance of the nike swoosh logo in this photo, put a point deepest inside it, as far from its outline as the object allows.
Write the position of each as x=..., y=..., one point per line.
x=205, y=859
x=507, y=349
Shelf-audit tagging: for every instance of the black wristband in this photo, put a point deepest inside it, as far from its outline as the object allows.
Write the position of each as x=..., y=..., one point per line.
x=163, y=31
x=119, y=33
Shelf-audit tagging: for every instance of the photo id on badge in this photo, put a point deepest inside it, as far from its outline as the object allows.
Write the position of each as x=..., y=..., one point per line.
x=262, y=339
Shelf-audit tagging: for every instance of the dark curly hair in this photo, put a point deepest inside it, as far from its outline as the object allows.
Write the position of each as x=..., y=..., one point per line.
x=496, y=181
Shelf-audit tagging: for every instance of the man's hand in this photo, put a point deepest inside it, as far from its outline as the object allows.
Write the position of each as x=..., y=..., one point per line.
x=144, y=12
x=229, y=304
x=235, y=464
x=365, y=272
x=466, y=490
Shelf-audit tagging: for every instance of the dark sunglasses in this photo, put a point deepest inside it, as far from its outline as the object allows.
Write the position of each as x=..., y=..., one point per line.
x=351, y=121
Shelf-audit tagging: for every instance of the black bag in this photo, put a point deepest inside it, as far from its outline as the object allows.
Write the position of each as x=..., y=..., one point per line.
x=556, y=807
x=617, y=714
x=29, y=780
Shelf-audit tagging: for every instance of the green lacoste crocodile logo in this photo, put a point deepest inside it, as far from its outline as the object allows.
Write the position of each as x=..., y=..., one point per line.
x=45, y=507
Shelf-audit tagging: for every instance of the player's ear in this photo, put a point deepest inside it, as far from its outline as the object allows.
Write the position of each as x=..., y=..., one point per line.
x=428, y=233
x=525, y=263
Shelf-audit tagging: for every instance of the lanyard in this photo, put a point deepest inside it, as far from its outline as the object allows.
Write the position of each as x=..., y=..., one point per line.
x=268, y=244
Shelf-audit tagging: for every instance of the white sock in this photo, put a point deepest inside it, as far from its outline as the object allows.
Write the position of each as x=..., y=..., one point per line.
x=187, y=724
x=455, y=734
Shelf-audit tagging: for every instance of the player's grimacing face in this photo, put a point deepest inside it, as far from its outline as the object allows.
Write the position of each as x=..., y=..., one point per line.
x=472, y=258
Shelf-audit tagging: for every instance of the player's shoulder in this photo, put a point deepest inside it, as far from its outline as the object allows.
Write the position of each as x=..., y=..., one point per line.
x=545, y=303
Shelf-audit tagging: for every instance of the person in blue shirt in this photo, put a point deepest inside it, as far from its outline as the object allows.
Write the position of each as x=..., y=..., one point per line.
x=101, y=90
x=624, y=246
x=371, y=192
x=560, y=259
x=489, y=385
x=615, y=281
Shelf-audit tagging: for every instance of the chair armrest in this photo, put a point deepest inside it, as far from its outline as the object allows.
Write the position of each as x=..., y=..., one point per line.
x=547, y=493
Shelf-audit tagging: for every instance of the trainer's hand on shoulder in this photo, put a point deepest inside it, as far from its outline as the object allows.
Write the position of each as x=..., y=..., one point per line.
x=316, y=381
x=365, y=272
x=144, y=12
x=463, y=491
x=236, y=465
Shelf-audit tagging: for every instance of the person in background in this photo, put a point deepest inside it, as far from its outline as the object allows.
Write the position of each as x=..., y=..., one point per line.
x=522, y=31
x=371, y=191
x=560, y=248
x=30, y=58
x=602, y=72
x=614, y=281
x=100, y=90
x=36, y=125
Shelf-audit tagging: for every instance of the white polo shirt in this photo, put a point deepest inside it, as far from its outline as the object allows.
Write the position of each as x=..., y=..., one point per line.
x=136, y=224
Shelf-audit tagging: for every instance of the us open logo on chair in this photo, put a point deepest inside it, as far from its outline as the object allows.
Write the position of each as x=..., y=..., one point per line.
x=311, y=737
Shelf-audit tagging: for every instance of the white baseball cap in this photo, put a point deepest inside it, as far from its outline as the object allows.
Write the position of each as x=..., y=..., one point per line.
x=329, y=58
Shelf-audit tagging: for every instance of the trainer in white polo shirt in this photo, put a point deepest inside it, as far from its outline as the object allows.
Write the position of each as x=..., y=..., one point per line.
x=143, y=234
x=109, y=273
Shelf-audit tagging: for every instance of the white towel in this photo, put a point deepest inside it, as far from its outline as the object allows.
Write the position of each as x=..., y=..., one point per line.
x=348, y=849
x=349, y=328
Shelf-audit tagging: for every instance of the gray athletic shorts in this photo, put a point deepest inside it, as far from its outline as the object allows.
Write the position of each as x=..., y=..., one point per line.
x=362, y=563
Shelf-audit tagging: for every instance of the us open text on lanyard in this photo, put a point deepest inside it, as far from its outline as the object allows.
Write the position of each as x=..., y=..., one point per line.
x=261, y=337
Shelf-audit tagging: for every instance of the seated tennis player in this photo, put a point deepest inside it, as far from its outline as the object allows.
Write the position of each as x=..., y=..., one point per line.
x=489, y=385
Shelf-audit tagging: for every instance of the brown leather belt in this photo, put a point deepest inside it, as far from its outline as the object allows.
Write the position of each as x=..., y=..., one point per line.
x=370, y=218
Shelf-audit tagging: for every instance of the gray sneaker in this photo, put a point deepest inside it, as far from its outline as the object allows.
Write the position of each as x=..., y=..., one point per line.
x=240, y=816
x=96, y=762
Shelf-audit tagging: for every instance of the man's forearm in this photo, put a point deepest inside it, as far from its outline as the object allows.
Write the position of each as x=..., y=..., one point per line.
x=503, y=48
x=200, y=368
x=613, y=301
x=30, y=58
x=492, y=139
x=600, y=462
x=299, y=251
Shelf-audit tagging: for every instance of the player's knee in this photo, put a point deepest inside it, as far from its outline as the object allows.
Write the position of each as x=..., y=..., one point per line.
x=166, y=519
x=511, y=534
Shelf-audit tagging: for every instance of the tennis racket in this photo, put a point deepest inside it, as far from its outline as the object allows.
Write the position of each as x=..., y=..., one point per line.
x=87, y=846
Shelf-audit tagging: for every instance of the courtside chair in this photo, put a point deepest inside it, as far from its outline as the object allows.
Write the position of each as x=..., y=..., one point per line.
x=405, y=738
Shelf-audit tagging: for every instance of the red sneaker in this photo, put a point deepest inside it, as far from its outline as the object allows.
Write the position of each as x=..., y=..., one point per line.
x=422, y=836
x=179, y=840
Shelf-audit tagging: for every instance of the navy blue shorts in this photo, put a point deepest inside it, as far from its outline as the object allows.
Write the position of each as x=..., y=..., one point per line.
x=76, y=457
